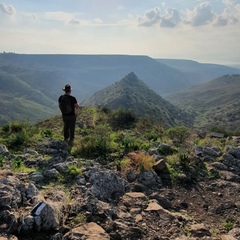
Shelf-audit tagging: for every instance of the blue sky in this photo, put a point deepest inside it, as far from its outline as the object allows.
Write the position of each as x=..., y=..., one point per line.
x=205, y=31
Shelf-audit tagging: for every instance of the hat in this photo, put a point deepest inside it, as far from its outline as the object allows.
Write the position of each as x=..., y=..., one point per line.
x=67, y=88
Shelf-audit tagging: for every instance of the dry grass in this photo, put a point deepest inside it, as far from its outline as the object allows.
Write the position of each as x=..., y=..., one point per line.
x=137, y=161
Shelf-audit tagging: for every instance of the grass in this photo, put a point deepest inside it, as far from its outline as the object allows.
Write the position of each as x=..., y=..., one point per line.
x=17, y=165
x=137, y=162
x=97, y=138
x=228, y=225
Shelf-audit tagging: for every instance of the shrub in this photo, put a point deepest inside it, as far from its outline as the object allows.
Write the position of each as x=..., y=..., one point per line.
x=137, y=161
x=151, y=136
x=73, y=170
x=96, y=144
x=122, y=119
x=17, y=165
x=228, y=225
x=18, y=134
x=178, y=134
x=47, y=133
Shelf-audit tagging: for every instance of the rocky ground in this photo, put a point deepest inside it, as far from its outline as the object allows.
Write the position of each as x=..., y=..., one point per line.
x=103, y=203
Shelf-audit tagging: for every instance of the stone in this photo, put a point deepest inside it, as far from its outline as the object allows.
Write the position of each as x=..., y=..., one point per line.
x=150, y=180
x=36, y=177
x=3, y=149
x=90, y=231
x=199, y=230
x=51, y=173
x=160, y=166
x=227, y=237
x=107, y=185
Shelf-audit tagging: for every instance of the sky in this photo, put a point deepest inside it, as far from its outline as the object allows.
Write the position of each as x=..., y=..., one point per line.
x=204, y=31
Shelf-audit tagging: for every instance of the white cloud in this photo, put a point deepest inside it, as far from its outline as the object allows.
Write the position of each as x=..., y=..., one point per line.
x=150, y=17
x=170, y=18
x=200, y=15
x=225, y=18
x=7, y=9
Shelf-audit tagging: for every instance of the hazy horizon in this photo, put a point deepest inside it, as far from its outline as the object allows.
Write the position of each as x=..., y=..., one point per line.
x=202, y=31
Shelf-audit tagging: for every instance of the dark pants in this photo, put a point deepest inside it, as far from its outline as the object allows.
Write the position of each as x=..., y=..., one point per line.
x=69, y=127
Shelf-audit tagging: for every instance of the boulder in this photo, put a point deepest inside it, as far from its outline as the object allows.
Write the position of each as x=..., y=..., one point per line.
x=90, y=231
x=107, y=185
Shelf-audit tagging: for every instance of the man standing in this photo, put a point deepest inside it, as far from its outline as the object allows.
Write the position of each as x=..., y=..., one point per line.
x=67, y=105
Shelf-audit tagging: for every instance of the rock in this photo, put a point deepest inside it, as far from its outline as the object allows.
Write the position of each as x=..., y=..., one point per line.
x=216, y=135
x=199, y=230
x=44, y=216
x=9, y=196
x=235, y=232
x=62, y=167
x=30, y=151
x=153, y=151
x=3, y=149
x=28, y=224
x=131, y=176
x=227, y=237
x=160, y=166
x=162, y=200
x=164, y=214
x=207, y=151
x=219, y=166
x=36, y=177
x=150, y=180
x=153, y=206
x=135, y=195
x=229, y=176
x=107, y=185
x=234, y=151
x=51, y=173
x=90, y=231
x=28, y=191
x=8, y=237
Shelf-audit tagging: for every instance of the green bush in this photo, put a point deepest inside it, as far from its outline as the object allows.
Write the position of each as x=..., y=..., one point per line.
x=96, y=144
x=17, y=135
x=73, y=170
x=178, y=134
x=228, y=225
x=47, y=133
x=122, y=119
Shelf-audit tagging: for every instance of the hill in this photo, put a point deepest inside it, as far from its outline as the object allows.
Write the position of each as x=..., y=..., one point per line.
x=199, y=72
x=23, y=97
x=36, y=80
x=215, y=103
x=133, y=94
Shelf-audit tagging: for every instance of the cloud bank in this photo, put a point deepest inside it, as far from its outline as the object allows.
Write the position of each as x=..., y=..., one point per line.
x=201, y=14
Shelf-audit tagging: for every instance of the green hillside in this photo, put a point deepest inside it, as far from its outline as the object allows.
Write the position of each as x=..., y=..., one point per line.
x=215, y=103
x=21, y=100
x=133, y=94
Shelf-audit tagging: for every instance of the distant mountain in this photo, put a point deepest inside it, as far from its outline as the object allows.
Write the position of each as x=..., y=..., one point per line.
x=199, y=72
x=32, y=83
x=90, y=73
x=132, y=93
x=214, y=103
